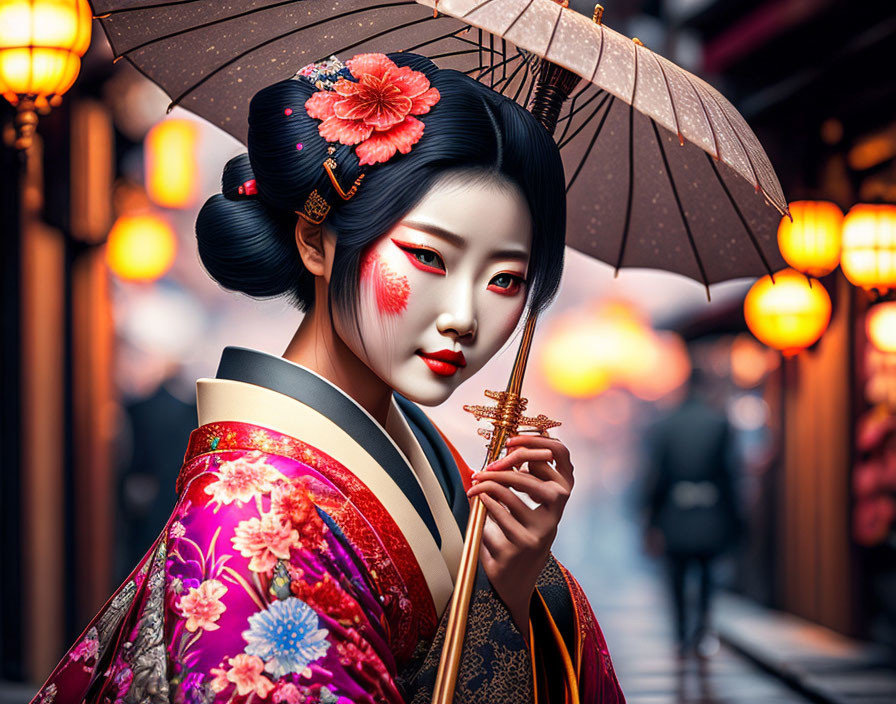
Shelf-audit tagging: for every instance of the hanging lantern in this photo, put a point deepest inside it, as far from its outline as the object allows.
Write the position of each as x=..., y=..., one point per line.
x=789, y=314
x=880, y=325
x=141, y=247
x=868, y=258
x=41, y=45
x=568, y=359
x=811, y=242
x=171, y=168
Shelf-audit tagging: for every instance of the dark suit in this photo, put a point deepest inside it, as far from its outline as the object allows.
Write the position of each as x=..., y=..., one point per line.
x=690, y=498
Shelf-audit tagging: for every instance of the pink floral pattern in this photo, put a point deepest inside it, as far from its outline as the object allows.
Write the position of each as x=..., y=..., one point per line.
x=271, y=584
x=246, y=673
x=264, y=541
x=202, y=605
x=375, y=111
x=242, y=480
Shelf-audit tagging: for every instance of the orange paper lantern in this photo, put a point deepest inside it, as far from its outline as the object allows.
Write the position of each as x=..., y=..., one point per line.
x=880, y=324
x=789, y=314
x=811, y=242
x=141, y=247
x=41, y=45
x=868, y=258
x=172, y=174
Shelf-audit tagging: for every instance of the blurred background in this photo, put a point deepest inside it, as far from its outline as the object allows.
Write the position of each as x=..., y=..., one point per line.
x=766, y=418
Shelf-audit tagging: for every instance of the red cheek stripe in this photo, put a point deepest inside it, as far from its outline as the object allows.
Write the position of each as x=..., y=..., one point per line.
x=390, y=289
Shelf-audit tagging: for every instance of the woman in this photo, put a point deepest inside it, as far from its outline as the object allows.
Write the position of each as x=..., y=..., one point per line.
x=413, y=214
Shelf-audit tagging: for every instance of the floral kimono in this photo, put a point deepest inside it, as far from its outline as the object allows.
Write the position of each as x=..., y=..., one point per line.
x=310, y=558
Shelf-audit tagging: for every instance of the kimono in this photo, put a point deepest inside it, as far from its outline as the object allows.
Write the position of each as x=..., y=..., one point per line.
x=310, y=559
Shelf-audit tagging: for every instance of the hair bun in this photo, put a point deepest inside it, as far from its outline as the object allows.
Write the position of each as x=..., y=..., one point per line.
x=247, y=246
x=237, y=173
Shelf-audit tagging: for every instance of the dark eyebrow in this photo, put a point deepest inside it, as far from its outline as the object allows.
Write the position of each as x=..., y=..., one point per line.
x=458, y=241
x=449, y=237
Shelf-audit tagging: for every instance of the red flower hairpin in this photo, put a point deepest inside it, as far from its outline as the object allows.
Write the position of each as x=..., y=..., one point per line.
x=375, y=111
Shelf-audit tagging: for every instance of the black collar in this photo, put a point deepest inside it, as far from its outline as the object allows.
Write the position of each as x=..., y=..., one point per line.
x=277, y=374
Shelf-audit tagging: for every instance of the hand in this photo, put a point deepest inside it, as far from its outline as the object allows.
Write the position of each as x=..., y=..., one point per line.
x=516, y=539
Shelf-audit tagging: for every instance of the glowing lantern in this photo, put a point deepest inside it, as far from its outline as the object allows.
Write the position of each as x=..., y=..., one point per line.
x=589, y=351
x=789, y=314
x=41, y=45
x=869, y=246
x=170, y=158
x=880, y=324
x=567, y=361
x=669, y=369
x=811, y=243
x=141, y=247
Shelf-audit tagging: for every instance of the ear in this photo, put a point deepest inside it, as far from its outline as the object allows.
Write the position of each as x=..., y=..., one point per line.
x=310, y=243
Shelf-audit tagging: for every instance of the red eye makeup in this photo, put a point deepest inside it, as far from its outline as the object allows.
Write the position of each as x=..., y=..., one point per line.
x=506, y=283
x=423, y=258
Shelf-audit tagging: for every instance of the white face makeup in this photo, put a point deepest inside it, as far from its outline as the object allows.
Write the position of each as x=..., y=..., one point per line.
x=443, y=290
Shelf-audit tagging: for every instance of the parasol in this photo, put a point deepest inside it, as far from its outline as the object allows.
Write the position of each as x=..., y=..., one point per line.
x=661, y=170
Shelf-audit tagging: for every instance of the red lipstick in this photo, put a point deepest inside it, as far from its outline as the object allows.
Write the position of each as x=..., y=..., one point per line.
x=443, y=362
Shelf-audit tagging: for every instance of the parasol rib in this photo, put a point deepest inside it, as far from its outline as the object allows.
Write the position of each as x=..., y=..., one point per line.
x=473, y=9
x=450, y=35
x=479, y=44
x=740, y=141
x=568, y=117
x=459, y=52
x=515, y=20
x=497, y=66
x=265, y=43
x=573, y=110
x=585, y=123
x=547, y=51
x=684, y=219
x=239, y=15
x=508, y=80
x=504, y=55
x=715, y=139
x=491, y=60
x=590, y=145
x=671, y=101
x=522, y=84
x=631, y=183
x=412, y=23
x=156, y=6
x=740, y=215
x=600, y=54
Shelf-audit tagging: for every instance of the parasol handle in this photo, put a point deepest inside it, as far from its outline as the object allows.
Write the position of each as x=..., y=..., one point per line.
x=553, y=88
x=509, y=412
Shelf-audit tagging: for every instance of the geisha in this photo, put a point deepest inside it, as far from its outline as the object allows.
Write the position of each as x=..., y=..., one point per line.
x=413, y=215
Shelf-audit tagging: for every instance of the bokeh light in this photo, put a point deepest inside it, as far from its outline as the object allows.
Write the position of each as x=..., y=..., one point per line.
x=811, y=242
x=868, y=258
x=141, y=247
x=880, y=325
x=171, y=169
x=789, y=314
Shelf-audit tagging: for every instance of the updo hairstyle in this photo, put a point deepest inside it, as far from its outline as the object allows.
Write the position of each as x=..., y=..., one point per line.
x=247, y=243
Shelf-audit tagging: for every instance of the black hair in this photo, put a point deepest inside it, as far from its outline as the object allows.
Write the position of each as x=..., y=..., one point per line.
x=247, y=244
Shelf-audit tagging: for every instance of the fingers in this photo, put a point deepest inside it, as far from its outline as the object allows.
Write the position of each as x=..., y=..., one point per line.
x=512, y=529
x=511, y=502
x=520, y=455
x=559, y=452
x=496, y=483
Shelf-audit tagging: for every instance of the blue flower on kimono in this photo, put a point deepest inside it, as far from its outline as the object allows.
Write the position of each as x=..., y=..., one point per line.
x=286, y=636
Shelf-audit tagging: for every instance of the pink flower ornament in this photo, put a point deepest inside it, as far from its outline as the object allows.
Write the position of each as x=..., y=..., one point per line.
x=376, y=110
x=202, y=606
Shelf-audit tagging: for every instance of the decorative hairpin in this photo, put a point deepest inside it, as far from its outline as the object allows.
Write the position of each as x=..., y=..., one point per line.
x=249, y=188
x=368, y=103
